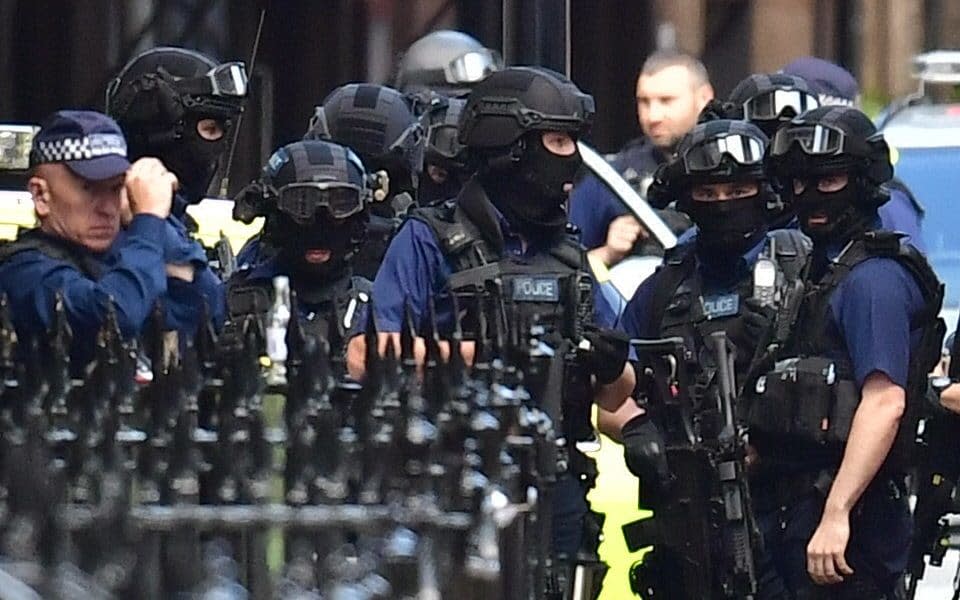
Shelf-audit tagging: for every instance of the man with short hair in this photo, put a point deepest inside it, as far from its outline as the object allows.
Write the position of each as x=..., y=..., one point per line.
x=672, y=89
x=82, y=184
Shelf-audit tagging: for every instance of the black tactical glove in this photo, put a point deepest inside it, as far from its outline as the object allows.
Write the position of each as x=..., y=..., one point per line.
x=608, y=353
x=644, y=451
x=757, y=319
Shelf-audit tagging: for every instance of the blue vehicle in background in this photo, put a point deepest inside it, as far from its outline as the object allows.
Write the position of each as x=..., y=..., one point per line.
x=923, y=131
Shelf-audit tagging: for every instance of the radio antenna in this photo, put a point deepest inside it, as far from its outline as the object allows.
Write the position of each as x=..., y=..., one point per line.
x=225, y=182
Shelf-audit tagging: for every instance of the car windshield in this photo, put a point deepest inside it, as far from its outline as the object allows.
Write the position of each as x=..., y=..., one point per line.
x=926, y=143
x=933, y=176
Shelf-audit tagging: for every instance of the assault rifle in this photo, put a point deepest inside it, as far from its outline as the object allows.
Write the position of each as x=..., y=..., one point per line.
x=704, y=534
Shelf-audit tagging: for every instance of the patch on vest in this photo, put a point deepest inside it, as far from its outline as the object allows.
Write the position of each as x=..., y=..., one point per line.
x=536, y=289
x=721, y=305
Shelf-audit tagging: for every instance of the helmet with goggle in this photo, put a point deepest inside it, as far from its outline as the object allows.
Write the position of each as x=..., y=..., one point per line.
x=828, y=140
x=161, y=85
x=160, y=99
x=442, y=124
x=517, y=100
x=446, y=62
x=717, y=151
x=767, y=100
x=377, y=123
x=305, y=182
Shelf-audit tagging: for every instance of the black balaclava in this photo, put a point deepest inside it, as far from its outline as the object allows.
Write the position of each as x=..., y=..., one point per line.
x=193, y=159
x=432, y=192
x=729, y=227
x=538, y=201
x=292, y=241
x=844, y=218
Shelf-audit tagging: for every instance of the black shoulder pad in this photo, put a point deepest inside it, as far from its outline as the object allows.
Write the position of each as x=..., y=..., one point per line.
x=570, y=252
x=678, y=255
x=883, y=243
x=453, y=234
x=361, y=285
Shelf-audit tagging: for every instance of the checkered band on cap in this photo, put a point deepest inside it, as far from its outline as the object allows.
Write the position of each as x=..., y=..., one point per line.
x=85, y=147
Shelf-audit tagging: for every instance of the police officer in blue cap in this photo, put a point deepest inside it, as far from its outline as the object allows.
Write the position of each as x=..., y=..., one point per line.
x=179, y=105
x=507, y=231
x=314, y=197
x=82, y=184
x=834, y=417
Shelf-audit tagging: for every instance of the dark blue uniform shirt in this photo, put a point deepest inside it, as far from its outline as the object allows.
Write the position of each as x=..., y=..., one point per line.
x=415, y=269
x=902, y=214
x=184, y=300
x=133, y=276
x=593, y=205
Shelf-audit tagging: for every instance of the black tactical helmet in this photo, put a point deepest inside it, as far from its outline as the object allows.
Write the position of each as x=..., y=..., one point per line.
x=828, y=140
x=442, y=124
x=713, y=152
x=446, y=62
x=517, y=100
x=301, y=168
x=767, y=100
x=314, y=196
x=377, y=123
x=158, y=98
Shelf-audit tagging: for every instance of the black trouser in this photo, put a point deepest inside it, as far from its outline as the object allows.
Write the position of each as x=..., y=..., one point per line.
x=880, y=534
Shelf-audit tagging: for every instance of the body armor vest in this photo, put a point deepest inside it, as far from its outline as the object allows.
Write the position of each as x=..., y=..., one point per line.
x=810, y=398
x=681, y=309
x=55, y=248
x=329, y=312
x=552, y=289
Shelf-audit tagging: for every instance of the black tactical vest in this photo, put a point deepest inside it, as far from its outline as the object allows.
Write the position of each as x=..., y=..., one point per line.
x=680, y=308
x=329, y=312
x=805, y=407
x=553, y=289
x=55, y=248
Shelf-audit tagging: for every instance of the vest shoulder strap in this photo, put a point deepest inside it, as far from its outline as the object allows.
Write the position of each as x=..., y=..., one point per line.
x=792, y=249
x=59, y=250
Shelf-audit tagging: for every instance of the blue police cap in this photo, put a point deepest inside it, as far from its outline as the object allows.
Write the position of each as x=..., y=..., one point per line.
x=89, y=143
x=831, y=82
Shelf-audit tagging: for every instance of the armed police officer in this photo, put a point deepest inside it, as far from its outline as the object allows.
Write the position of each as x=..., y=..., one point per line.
x=179, y=106
x=506, y=233
x=708, y=284
x=314, y=196
x=436, y=73
x=81, y=184
x=378, y=124
x=671, y=90
x=835, y=86
x=767, y=101
x=835, y=416
x=447, y=63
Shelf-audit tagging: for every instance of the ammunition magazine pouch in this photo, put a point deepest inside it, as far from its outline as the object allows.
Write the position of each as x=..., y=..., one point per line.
x=807, y=401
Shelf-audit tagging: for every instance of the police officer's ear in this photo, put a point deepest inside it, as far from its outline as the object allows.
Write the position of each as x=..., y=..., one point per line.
x=39, y=189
